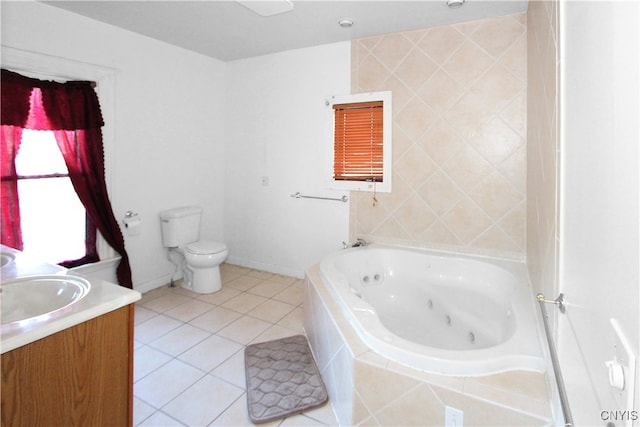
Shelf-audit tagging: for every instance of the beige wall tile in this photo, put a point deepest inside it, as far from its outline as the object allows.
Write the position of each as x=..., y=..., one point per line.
x=441, y=42
x=496, y=35
x=392, y=49
x=418, y=407
x=459, y=136
x=542, y=145
x=479, y=412
x=377, y=387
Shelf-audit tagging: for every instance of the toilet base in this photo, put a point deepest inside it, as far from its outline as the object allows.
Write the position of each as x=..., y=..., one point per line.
x=202, y=280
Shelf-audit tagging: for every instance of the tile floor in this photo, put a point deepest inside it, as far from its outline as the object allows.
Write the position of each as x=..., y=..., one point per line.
x=189, y=349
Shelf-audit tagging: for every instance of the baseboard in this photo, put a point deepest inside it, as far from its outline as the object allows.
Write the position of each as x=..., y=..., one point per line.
x=276, y=269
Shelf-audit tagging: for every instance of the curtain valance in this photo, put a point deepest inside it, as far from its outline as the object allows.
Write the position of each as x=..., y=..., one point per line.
x=69, y=106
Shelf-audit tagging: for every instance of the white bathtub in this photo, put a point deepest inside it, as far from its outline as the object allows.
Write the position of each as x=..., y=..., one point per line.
x=103, y=269
x=439, y=313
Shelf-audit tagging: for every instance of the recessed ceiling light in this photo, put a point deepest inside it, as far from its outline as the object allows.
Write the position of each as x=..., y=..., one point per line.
x=345, y=23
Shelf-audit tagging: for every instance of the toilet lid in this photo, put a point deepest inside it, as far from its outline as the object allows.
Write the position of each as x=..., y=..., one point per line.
x=205, y=247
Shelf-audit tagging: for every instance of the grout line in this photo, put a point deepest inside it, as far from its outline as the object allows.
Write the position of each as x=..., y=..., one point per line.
x=230, y=277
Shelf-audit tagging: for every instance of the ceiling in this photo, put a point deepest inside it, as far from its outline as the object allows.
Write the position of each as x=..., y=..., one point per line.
x=228, y=31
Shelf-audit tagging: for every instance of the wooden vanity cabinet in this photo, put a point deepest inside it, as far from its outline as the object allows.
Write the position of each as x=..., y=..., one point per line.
x=80, y=376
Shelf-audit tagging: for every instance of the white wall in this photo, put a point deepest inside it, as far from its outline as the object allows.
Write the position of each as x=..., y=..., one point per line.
x=276, y=128
x=599, y=254
x=174, y=138
x=165, y=138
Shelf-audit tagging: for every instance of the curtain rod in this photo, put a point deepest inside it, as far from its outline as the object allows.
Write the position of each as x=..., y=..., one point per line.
x=44, y=77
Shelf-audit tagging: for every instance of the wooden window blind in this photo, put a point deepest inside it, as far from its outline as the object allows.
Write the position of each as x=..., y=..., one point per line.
x=358, y=141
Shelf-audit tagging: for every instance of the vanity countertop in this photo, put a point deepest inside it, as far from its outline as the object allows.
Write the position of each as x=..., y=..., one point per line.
x=103, y=297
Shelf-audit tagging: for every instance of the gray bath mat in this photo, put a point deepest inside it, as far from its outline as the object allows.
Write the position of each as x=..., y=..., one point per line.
x=282, y=379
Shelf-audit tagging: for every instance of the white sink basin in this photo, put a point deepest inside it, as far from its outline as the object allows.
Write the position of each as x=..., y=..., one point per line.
x=6, y=258
x=36, y=298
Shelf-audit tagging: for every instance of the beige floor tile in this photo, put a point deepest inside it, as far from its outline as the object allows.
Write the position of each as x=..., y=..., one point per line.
x=165, y=302
x=264, y=275
x=166, y=383
x=271, y=311
x=207, y=334
x=204, y=401
x=210, y=353
x=189, y=310
x=244, y=302
x=141, y=411
x=243, y=283
x=291, y=295
x=287, y=280
x=141, y=314
x=229, y=272
x=154, y=328
x=293, y=320
x=180, y=290
x=232, y=370
x=159, y=419
x=323, y=414
x=147, y=360
x=236, y=415
x=215, y=319
x=275, y=332
x=300, y=420
x=180, y=340
x=268, y=288
x=245, y=329
x=222, y=296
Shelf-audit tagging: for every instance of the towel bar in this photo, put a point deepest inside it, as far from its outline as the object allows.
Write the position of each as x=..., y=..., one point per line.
x=300, y=196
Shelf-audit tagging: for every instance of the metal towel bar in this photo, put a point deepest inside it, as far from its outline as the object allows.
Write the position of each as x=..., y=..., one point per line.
x=300, y=196
x=564, y=402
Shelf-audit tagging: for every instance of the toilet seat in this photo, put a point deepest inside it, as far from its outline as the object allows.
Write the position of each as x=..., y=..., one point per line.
x=205, y=248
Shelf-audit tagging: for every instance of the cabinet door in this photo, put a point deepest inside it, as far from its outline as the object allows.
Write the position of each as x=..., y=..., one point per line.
x=80, y=376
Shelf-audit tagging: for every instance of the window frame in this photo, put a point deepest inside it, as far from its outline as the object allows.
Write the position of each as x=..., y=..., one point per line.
x=46, y=67
x=385, y=185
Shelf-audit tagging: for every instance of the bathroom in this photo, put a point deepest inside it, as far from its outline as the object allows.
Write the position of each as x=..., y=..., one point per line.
x=175, y=137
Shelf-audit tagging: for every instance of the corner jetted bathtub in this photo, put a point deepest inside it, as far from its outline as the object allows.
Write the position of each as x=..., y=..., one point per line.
x=441, y=313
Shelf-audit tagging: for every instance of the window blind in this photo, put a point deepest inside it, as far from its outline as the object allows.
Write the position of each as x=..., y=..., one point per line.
x=358, y=139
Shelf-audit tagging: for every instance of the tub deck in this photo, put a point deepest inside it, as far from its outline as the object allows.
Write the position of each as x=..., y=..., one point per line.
x=367, y=388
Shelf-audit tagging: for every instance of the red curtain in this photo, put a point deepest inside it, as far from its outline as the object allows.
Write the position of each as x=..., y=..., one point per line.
x=10, y=233
x=72, y=111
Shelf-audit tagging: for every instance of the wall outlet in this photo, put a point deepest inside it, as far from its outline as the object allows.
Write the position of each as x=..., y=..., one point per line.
x=453, y=417
x=622, y=379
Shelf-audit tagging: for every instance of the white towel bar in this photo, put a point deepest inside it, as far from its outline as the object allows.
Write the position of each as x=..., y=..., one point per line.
x=300, y=196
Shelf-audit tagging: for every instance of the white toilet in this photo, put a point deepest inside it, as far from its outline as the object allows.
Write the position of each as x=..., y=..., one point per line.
x=202, y=259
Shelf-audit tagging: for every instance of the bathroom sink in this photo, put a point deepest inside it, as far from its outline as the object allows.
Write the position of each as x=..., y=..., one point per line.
x=6, y=258
x=36, y=298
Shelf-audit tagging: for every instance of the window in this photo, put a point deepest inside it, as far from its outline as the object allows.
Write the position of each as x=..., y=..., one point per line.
x=71, y=111
x=361, y=143
x=64, y=235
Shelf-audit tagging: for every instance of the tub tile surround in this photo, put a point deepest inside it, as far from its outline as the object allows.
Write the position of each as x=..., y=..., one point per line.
x=368, y=389
x=543, y=145
x=459, y=129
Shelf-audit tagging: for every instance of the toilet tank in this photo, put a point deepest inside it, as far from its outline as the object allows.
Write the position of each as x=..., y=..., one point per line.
x=180, y=226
